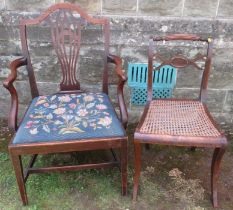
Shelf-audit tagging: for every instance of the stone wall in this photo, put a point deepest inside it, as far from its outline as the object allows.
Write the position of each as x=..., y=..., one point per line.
x=132, y=22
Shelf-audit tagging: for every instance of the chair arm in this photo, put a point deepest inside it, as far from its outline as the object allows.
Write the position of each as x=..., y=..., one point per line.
x=120, y=95
x=8, y=84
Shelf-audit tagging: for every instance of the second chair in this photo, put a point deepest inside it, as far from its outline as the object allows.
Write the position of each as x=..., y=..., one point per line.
x=180, y=122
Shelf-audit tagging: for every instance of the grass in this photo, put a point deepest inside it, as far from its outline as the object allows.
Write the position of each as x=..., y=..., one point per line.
x=172, y=178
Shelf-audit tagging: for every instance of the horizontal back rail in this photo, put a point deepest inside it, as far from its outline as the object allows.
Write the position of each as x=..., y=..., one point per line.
x=180, y=61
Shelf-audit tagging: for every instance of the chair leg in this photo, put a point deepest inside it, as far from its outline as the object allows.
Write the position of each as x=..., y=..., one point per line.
x=215, y=171
x=193, y=149
x=17, y=164
x=147, y=146
x=124, y=165
x=30, y=165
x=137, y=165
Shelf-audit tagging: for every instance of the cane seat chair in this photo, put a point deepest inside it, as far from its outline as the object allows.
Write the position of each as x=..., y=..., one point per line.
x=180, y=121
x=72, y=119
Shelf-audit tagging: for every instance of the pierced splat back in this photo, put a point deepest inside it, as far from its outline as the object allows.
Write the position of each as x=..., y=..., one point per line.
x=180, y=61
x=65, y=21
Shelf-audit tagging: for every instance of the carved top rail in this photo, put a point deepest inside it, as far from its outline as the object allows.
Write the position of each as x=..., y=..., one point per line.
x=191, y=37
x=67, y=6
x=65, y=21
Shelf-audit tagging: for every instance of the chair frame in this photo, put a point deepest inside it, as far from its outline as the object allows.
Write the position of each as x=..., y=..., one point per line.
x=34, y=149
x=141, y=138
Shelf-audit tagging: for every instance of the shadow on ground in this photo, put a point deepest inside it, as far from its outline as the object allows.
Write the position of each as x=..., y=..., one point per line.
x=172, y=178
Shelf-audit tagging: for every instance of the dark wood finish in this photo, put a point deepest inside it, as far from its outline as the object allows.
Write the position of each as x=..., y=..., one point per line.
x=219, y=142
x=66, y=37
x=120, y=94
x=17, y=164
x=8, y=83
x=71, y=168
x=137, y=165
x=215, y=171
x=30, y=165
x=124, y=163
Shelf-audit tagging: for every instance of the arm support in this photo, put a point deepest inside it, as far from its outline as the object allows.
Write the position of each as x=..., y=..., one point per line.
x=8, y=84
x=120, y=95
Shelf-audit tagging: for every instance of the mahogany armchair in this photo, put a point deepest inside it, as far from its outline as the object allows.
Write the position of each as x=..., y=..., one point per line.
x=180, y=122
x=70, y=120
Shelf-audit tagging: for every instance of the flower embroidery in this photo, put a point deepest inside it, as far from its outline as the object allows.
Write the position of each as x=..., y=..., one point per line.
x=82, y=112
x=72, y=106
x=29, y=124
x=34, y=131
x=65, y=114
x=53, y=106
x=88, y=98
x=46, y=104
x=64, y=98
x=106, y=121
x=67, y=117
x=101, y=106
x=59, y=111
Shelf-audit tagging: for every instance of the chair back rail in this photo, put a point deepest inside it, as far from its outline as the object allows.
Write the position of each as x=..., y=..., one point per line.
x=66, y=38
x=180, y=61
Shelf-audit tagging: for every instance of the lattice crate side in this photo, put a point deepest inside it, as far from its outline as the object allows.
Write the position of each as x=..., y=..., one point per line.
x=163, y=82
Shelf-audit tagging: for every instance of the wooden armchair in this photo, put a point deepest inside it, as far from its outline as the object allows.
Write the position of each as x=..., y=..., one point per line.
x=70, y=120
x=180, y=122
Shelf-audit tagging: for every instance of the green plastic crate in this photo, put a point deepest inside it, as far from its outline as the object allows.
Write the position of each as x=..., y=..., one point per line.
x=164, y=82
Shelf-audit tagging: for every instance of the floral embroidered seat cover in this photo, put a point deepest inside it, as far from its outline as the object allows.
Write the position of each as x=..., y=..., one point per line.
x=69, y=117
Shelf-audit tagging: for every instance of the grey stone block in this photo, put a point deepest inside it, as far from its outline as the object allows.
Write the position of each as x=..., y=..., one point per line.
x=228, y=105
x=223, y=119
x=134, y=55
x=159, y=26
x=135, y=113
x=9, y=33
x=47, y=88
x=188, y=78
x=11, y=47
x=5, y=70
x=11, y=18
x=23, y=90
x=224, y=29
x=32, y=5
x=161, y=7
x=5, y=109
x=38, y=48
x=192, y=93
x=126, y=38
x=2, y=5
x=225, y=8
x=221, y=78
x=215, y=100
x=92, y=6
x=46, y=69
x=200, y=8
x=119, y=6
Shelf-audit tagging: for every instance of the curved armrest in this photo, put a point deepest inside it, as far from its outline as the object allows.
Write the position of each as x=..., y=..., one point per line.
x=120, y=95
x=8, y=84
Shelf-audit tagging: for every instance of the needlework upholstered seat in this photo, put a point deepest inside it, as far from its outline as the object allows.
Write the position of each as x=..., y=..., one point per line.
x=69, y=116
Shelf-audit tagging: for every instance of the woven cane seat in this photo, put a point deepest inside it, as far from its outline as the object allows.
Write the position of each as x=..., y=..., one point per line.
x=178, y=118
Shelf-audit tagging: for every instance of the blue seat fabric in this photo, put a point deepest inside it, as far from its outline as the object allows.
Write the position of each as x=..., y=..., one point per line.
x=62, y=117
